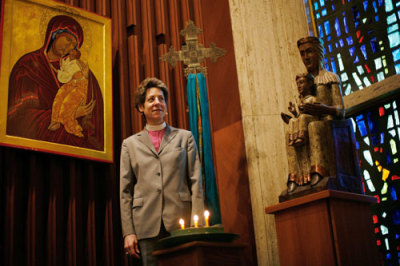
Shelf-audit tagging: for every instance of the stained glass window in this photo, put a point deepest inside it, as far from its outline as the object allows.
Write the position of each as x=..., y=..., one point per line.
x=362, y=45
x=378, y=142
x=362, y=36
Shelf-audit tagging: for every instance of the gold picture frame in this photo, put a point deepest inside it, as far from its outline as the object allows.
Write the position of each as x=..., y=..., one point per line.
x=56, y=79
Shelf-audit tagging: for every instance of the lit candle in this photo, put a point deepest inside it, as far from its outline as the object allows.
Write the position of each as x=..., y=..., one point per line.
x=196, y=220
x=206, y=216
x=182, y=223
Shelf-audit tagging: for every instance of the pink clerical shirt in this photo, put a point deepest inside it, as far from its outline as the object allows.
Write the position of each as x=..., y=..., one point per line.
x=156, y=137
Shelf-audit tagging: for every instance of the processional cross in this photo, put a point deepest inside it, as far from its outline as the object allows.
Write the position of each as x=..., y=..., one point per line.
x=193, y=53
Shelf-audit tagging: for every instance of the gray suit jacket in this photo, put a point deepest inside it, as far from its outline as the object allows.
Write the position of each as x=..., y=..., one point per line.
x=159, y=185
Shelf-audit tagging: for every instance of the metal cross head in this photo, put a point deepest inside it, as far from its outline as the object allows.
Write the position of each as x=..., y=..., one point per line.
x=193, y=53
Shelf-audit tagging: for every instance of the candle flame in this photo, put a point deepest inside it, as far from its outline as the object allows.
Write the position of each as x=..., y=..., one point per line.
x=182, y=223
x=206, y=216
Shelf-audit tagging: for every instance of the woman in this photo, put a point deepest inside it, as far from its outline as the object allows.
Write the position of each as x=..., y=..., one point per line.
x=33, y=85
x=160, y=177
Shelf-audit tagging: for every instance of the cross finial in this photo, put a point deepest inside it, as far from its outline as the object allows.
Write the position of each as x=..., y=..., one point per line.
x=193, y=53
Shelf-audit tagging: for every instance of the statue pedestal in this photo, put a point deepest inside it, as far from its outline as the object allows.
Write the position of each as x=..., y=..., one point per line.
x=202, y=253
x=326, y=228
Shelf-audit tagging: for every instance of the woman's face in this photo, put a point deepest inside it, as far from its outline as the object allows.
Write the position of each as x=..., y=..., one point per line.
x=63, y=44
x=154, y=106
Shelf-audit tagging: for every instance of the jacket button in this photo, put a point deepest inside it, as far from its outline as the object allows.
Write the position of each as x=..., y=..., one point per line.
x=158, y=173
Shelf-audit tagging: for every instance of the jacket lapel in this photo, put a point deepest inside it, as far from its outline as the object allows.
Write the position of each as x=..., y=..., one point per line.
x=144, y=137
x=169, y=134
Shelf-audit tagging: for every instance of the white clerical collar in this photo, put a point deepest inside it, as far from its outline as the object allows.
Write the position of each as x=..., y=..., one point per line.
x=156, y=127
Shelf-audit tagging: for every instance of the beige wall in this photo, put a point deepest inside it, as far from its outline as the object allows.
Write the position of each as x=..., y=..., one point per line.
x=265, y=34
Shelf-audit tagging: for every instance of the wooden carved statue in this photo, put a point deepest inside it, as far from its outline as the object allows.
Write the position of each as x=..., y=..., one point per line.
x=318, y=133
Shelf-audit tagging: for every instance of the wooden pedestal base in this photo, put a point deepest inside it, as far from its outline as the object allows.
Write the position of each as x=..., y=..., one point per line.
x=199, y=253
x=326, y=228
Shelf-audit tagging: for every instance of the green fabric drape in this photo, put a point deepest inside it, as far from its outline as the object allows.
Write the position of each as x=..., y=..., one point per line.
x=200, y=127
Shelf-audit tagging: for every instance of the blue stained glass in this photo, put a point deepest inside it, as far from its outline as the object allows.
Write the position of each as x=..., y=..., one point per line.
x=380, y=2
x=376, y=18
x=393, y=193
x=333, y=66
x=345, y=23
x=356, y=60
x=388, y=257
x=356, y=13
x=362, y=128
x=356, y=24
x=318, y=15
x=375, y=140
x=396, y=55
x=348, y=89
x=337, y=27
x=315, y=6
x=394, y=39
x=397, y=67
x=357, y=145
x=366, y=82
x=327, y=27
x=357, y=79
x=382, y=138
x=323, y=12
x=388, y=5
x=396, y=217
x=365, y=4
x=341, y=42
x=393, y=28
x=380, y=76
x=330, y=48
x=344, y=77
x=359, y=117
x=336, y=45
x=374, y=45
x=333, y=7
x=360, y=70
x=375, y=8
x=364, y=51
x=349, y=40
x=388, y=158
x=391, y=19
x=378, y=63
x=321, y=31
x=373, y=125
x=322, y=2
x=352, y=50
x=329, y=37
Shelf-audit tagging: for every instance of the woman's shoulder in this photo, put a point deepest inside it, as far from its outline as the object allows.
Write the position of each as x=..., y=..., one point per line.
x=180, y=130
x=133, y=137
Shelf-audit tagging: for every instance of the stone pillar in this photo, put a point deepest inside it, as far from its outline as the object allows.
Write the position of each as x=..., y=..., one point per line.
x=265, y=33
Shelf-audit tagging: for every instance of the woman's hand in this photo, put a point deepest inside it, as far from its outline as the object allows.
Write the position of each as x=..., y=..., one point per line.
x=83, y=110
x=131, y=245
